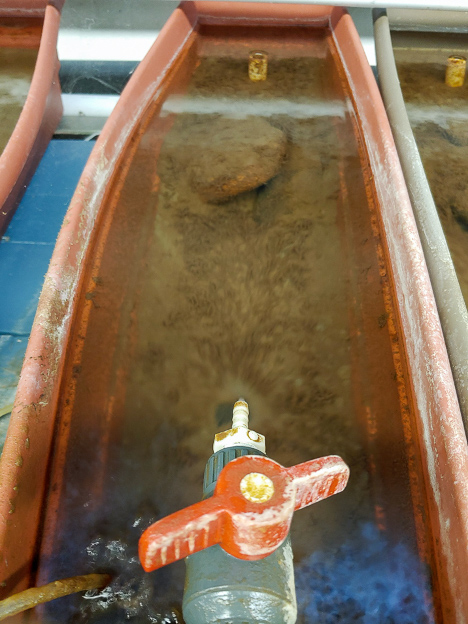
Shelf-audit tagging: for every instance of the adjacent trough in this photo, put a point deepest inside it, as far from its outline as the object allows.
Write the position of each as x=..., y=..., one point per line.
x=30, y=24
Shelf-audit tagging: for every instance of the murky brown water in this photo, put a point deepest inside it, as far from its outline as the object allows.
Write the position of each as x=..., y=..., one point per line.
x=276, y=295
x=16, y=70
x=439, y=118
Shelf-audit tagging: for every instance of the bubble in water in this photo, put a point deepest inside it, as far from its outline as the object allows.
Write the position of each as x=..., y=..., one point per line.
x=132, y=594
x=117, y=549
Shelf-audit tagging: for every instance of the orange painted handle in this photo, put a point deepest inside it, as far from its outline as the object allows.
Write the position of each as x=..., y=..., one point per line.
x=181, y=534
x=318, y=479
x=235, y=517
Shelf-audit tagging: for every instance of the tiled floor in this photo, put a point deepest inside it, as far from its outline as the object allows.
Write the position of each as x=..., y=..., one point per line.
x=25, y=252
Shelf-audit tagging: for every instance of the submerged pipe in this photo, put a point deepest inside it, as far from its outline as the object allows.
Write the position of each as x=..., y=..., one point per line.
x=448, y=295
x=30, y=598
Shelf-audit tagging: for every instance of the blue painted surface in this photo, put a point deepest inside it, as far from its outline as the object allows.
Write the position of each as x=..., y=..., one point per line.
x=12, y=350
x=28, y=243
x=25, y=252
x=40, y=214
x=22, y=270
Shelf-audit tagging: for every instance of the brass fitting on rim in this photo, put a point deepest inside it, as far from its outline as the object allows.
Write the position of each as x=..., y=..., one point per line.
x=258, y=65
x=456, y=70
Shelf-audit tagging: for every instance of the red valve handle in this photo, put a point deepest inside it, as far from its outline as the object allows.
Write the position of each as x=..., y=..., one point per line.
x=250, y=512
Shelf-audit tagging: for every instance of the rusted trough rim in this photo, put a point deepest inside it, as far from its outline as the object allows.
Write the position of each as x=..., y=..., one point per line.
x=27, y=8
x=41, y=112
x=439, y=420
x=448, y=295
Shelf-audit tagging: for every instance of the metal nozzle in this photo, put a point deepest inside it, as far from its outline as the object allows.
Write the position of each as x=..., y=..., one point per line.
x=239, y=434
x=240, y=414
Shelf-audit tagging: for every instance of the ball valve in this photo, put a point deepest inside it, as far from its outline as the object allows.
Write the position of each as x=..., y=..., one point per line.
x=236, y=541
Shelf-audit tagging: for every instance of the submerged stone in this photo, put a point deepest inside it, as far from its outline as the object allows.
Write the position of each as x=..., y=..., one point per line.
x=226, y=157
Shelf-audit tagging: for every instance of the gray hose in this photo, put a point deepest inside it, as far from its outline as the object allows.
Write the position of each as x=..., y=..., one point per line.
x=448, y=295
x=30, y=598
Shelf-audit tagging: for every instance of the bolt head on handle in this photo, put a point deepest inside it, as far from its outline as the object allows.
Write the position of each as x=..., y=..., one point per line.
x=250, y=512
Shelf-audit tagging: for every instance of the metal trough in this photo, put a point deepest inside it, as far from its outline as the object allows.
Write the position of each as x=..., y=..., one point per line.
x=110, y=426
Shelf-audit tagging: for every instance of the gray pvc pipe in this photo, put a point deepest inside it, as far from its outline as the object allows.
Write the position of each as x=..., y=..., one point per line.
x=449, y=299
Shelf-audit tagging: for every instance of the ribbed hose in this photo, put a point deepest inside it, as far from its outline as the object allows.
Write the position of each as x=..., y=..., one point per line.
x=30, y=598
x=449, y=299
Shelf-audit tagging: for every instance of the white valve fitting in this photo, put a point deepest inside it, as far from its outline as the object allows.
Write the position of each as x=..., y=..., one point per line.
x=240, y=414
x=240, y=434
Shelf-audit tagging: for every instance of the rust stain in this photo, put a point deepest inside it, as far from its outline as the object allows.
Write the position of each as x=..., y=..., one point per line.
x=392, y=321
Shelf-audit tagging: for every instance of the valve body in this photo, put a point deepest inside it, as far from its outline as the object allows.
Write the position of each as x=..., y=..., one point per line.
x=236, y=541
x=224, y=589
x=221, y=588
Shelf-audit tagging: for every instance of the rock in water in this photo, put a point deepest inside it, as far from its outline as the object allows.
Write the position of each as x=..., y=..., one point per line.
x=225, y=157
